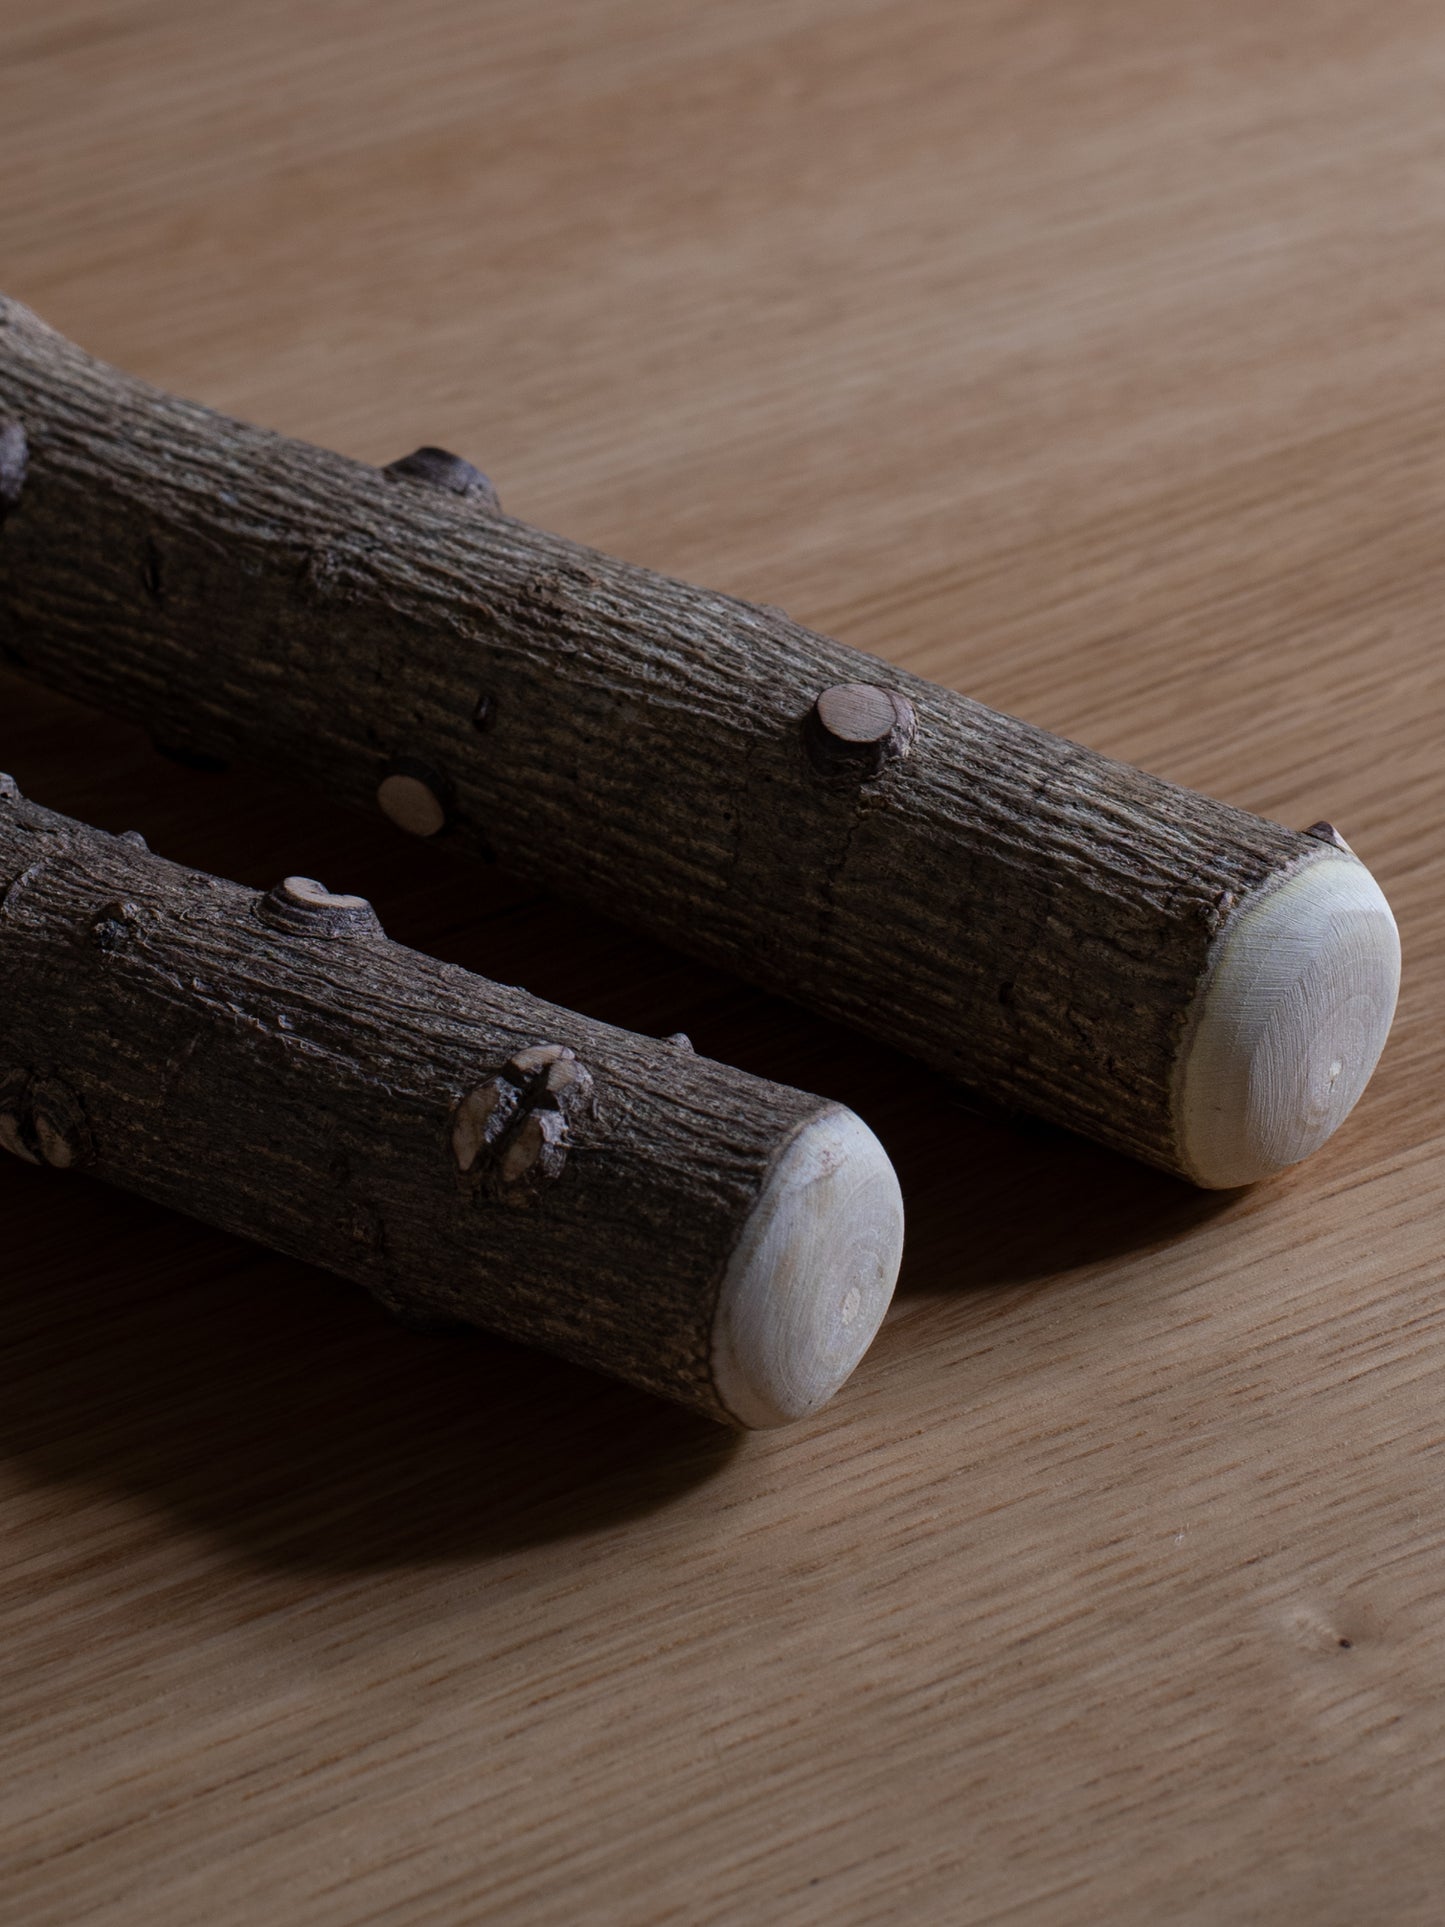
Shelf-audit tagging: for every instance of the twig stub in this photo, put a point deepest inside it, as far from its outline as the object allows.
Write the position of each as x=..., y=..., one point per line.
x=1325, y=832
x=305, y=908
x=414, y=797
x=856, y=729
x=114, y=924
x=519, y=1119
x=439, y=468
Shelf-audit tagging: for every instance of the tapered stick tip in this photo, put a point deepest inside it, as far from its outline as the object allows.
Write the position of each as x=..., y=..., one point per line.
x=811, y=1275
x=1289, y=1023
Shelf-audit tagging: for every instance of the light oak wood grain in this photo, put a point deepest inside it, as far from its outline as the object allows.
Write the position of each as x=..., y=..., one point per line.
x=1086, y=359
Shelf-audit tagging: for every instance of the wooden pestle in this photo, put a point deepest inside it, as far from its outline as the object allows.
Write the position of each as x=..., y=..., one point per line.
x=1176, y=978
x=272, y=1063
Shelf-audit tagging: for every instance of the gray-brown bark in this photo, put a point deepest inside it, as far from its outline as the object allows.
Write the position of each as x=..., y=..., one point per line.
x=272, y=1063
x=1022, y=914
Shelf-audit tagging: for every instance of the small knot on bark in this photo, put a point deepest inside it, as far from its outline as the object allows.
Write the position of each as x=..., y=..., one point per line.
x=9, y=789
x=856, y=729
x=1324, y=832
x=680, y=1040
x=43, y=1120
x=414, y=796
x=14, y=464
x=302, y=907
x=324, y=577
x=512, y=1131
x=134, y=839
x=439, y=468
x=114, y=924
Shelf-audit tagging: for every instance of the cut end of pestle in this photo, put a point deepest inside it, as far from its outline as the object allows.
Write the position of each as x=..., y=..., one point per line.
x=1289, y=1023
x=811, y=1275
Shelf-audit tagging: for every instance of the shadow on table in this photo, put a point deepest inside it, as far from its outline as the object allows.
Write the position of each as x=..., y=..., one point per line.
x=994, y=1206
x=279, y=1409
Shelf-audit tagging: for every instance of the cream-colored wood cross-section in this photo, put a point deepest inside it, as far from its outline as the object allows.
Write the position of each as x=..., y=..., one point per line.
x=1288, y=1024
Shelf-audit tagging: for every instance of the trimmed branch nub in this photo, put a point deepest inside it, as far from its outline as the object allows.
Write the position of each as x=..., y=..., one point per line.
x=439, y=468
x=302, y=907
x=114, y=924
x=414, y=796
x=1325, y=832
x=856, y=729
x=510, y=1133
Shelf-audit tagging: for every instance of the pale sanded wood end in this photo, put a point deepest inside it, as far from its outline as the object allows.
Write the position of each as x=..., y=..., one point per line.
x=811, y=1275
x=1290, y=1021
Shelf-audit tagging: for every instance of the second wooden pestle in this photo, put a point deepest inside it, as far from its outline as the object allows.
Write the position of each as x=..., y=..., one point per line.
x=1176, y=978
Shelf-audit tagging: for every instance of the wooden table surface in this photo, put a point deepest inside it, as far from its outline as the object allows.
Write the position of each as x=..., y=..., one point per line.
x=1084, y=354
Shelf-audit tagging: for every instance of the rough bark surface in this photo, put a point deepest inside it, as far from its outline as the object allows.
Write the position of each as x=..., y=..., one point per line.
x=1022, y=914
x=355, y=1104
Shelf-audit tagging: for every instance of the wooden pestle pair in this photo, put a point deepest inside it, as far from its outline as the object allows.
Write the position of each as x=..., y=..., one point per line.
x=1075, y=939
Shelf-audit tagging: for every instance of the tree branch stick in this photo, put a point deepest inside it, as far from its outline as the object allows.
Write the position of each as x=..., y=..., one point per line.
x=271, y=1063
x=1070, y=936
